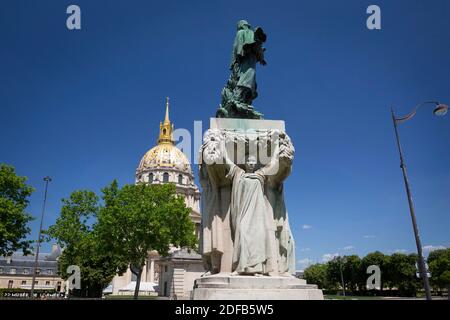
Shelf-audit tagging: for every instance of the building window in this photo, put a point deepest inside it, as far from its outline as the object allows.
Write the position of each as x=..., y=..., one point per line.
x=38, y=271
x=24, y=282
x=150, y=178
x=1, y=270
x=36, y=283
x=47, y=283
x=26, y=271
x=165, y=177
x=12, y=271
x=10, y=284
x=165, y=268
x=49, y=271
x=180, y=179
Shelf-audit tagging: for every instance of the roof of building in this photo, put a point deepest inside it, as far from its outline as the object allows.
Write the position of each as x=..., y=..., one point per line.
x=182, y=254
x=19, y=261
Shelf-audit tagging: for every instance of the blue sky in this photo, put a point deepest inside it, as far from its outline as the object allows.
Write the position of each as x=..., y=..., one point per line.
x=84, y=106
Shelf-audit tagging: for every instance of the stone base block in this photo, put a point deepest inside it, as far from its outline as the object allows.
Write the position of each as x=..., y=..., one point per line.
x=226, y=287
x=246, y=124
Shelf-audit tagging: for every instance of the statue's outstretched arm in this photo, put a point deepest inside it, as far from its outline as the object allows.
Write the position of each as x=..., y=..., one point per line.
x=279, y=167
x=227, y=161
x=273, y=166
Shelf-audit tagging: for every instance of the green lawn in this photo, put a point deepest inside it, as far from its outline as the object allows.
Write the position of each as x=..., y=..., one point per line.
x=130, y=297
x=338, y=297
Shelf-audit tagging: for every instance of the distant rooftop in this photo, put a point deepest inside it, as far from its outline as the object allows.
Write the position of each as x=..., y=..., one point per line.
x=18, y=261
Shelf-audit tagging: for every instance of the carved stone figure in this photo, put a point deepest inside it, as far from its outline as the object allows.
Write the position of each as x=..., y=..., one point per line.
x=252, y=224
x=246, y=227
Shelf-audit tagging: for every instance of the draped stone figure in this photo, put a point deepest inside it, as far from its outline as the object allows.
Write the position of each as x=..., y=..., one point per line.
x=216, y=194
x=246, y=227
x=252, y=227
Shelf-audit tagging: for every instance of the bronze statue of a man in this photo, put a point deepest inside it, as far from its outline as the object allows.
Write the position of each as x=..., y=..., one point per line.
x=240, y=90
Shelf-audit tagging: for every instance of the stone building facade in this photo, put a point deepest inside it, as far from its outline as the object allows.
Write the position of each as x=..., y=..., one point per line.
x=16, y=271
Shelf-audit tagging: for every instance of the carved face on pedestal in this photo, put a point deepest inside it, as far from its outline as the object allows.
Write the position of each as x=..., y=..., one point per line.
x=250, y=164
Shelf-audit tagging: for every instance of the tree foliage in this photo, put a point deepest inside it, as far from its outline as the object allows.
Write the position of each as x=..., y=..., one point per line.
x=72, y=224
x=439, y=267
x=140, y=218
x=75, y=232
x=401, y=272
x=103, y=240
x=350, y=266
x=351, y=272
x=14, y=194
x=398, y=273
x=334, y=273
x=317, y=274
x=376, y=258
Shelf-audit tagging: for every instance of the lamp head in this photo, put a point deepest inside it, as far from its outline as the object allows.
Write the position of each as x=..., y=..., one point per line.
x=440, y=110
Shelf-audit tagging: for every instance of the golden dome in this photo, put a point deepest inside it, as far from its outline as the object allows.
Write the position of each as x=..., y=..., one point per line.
x=165, y=155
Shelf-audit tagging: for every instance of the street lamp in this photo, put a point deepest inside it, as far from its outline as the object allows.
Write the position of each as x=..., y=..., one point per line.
x=440, y=110
x=47, y=180
x=342, y=275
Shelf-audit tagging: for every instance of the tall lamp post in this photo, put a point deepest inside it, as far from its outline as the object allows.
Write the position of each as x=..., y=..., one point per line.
x=47, y=180
x=342, y=275
x=440, y=110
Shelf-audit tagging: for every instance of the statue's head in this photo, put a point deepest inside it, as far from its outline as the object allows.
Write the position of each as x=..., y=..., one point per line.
x=250, y=164
x=242, y=24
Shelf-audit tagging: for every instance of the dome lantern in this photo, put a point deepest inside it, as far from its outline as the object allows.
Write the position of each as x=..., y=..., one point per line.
x=166, y=128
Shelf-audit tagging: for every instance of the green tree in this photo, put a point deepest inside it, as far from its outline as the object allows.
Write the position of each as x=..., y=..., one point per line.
x=72, y=223
x=317, y=274
x=334, y=279
x=350, y=267
x=401, y=272
x=75, y=232
x=351, y=270
x=14, y=194
x=374, y=258
x=139, y=218
x=439, y=267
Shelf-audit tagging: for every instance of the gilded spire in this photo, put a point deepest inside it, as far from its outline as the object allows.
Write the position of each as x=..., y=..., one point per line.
x=166, y=128
x=166, y=120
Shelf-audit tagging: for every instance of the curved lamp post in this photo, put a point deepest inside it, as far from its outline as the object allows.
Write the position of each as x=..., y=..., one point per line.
x=440, y=110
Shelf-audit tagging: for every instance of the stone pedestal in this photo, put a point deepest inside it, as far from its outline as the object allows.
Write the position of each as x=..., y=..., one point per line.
x=222, y=286
x=243, y=166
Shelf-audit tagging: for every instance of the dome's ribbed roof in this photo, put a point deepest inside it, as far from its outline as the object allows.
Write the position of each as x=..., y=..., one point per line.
x=165, y=156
